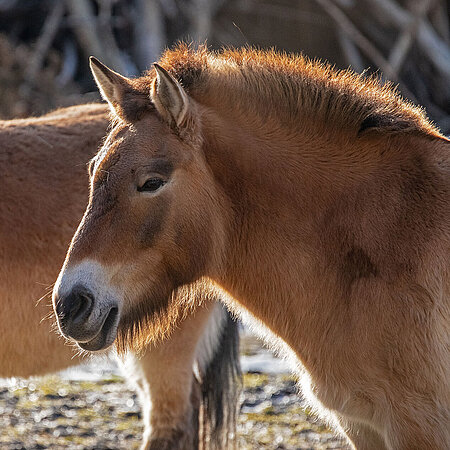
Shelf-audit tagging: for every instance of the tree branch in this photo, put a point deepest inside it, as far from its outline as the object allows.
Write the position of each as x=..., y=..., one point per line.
x=350, y=30
x=351, y=52
x=149, y=32
x=408, y=35
x=436, y=50
x=49, y=30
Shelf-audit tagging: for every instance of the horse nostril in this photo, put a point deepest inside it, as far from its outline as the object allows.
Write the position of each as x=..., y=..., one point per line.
x=82, y=308
x=76, y=307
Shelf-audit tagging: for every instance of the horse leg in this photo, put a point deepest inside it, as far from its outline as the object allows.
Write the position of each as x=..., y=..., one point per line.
x=167, y=387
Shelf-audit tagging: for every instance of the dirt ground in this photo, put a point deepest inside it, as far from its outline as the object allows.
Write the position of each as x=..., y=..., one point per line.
x=53, y=413
x=102, y=412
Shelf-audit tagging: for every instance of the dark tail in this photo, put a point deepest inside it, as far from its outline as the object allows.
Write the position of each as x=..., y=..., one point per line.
x=220, y=386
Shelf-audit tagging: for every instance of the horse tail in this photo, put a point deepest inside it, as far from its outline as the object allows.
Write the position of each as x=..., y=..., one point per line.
x=219, y=376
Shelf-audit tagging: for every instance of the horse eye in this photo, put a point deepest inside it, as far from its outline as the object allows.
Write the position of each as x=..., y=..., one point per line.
x=152, y=185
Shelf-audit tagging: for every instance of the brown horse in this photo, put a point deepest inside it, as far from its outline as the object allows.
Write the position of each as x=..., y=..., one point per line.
x=44, y=190
x=318, y=200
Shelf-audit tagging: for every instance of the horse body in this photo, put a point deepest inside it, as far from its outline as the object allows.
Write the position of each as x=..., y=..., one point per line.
x=318, y=201
x=44, y=191
x=366, y=263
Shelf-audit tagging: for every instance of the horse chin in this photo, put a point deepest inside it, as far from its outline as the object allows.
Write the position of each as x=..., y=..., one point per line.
x=106, y=335
x=151, y=320
x=136, y=335
x=147, y=324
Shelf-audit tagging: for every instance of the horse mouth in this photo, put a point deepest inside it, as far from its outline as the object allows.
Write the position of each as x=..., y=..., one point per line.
x=106, y=334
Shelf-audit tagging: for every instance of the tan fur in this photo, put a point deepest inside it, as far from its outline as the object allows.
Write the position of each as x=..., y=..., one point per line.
x=319, y=201
x=39, y=209
x=40, y=206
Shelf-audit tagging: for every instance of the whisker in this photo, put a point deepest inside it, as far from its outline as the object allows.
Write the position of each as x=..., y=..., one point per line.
x=48, y=316
x=48, y=288
x=41, y=298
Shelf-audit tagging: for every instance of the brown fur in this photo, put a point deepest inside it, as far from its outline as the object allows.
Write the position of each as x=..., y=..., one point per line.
x=283, y=87
x=44, y=191
x=39, y=208
x=319, y=201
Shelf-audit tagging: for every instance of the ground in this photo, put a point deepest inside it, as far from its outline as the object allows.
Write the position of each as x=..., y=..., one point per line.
x=85, y=412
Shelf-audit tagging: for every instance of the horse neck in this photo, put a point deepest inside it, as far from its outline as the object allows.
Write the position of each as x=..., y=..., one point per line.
x=293, y=196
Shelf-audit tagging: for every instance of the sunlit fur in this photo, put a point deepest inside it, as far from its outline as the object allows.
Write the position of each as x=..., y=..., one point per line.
x=318, y=201
x=44, y=189
x=146, y=326
x=284, y=87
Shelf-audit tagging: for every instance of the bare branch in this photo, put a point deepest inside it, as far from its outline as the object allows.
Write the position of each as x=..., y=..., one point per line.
x=435, y=49
x=201, y=17
x=149, y=32
x=110, y=48
x=201, y=14
x=85, y=27
x=350, y=30
x=94, y=38
x=351, y=52
x=439, y=15
x=364, y=44
x=404, y=42
x=278, y=12
x=43, y=44
x=70, y=63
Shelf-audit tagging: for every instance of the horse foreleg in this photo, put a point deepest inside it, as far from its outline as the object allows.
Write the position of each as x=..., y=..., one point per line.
x=167, y=386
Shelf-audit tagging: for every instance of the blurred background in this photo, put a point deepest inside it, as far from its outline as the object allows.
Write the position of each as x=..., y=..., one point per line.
x=45, y=44
x=44, y=50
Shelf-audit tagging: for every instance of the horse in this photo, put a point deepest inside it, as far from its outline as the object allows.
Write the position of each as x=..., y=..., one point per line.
x=188, y=383
x=315, y=201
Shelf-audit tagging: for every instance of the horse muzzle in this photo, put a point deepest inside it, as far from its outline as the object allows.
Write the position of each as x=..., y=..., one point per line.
x=91, y=323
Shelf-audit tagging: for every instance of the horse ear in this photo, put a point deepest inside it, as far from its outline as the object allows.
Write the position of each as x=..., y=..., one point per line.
x=169, y=97
x=110, y=83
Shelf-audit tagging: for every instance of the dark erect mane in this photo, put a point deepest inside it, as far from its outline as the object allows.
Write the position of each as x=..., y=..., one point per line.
x=288, y=87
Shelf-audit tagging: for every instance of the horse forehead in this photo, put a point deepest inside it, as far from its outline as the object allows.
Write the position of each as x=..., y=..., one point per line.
x=151, y=135
x=134, y=144
x=117, y=144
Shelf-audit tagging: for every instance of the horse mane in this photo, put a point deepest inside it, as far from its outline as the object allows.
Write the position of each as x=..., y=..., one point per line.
x=270, y=84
